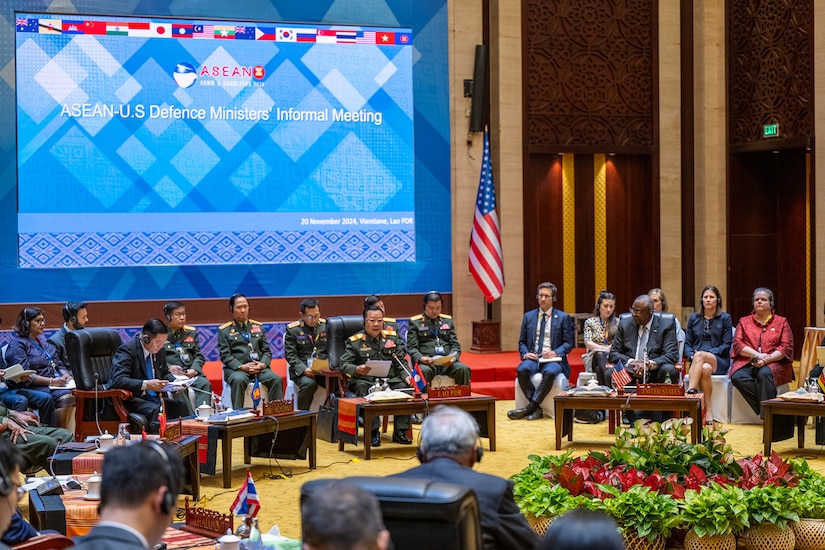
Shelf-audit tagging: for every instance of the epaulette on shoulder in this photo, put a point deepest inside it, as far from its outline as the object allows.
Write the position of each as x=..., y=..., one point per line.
x=294, y=324
x=223, y=326
x=390, y=320
x=389, y=332
x=188, y=327
x=354, y=337
x=417, y=317
x=254, y=322
x=444, y=315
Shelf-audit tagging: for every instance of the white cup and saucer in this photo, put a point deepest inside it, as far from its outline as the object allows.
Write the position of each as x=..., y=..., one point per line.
x=105, y=442
x=93, y=487
x=204, y=412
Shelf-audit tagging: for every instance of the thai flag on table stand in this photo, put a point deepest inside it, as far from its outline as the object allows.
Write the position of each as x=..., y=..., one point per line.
x=620, y=377
x=486, y=259
x=247, y=500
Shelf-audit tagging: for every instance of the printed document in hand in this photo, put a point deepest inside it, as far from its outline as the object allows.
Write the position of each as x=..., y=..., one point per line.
x=178, y=384
x=444, y=360
x=381, y=369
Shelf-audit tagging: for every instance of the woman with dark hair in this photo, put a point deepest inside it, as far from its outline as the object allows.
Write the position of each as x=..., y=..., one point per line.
x=762, y=357
x=707, y=345
x=33, y=352
x=599, y=331
x=660, y=306
x=581, y=529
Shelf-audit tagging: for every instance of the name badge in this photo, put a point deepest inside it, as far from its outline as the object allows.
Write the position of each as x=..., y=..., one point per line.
x=439, y=350
x=253, y=356
x=184, y=357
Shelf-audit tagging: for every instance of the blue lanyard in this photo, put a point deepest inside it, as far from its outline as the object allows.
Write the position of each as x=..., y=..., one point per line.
x=41, y=348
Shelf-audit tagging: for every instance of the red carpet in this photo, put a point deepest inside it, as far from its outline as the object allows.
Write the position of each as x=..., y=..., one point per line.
x=494, y=374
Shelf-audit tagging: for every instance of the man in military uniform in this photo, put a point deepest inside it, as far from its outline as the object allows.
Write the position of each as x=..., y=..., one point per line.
x=389, y=322
x=432, y=335
x=376, y=343
x=36, y=442
x=75, y=317
x=306, y=339
x=183, y=354
x=245, y=353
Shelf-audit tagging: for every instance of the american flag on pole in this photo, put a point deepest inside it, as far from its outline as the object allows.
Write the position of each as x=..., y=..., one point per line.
x=620, y=377
x=486, y=260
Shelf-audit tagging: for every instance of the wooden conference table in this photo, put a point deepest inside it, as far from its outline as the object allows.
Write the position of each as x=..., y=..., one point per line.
x=482, y=404
x=566, y=402
x=800, y=409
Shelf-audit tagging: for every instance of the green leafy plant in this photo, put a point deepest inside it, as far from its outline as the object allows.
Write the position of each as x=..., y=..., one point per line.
x=535, y=495
x=715, y=510
x=810, y=492
x=640, y=510
x=771, y=504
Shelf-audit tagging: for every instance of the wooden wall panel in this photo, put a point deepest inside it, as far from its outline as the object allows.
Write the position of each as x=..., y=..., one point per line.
x=589, y=75
x=585, y=260
x=770, y=71
x=543, y=247
x=766, y=224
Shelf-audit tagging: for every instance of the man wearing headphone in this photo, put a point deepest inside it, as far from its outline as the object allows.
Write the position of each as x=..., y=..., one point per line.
x=448, y=450
x=140, y=366
x=183, y=353
x=545, y=339
x=245, y=353
x=306, y=339
x=75, y=317
x=432, y=343
x=138, y=497
x=10, y=492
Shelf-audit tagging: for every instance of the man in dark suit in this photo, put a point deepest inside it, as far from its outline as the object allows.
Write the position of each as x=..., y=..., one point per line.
x=449, y=449
x=140, y=366
x=138, y=497
x=646, y=342
x=546, y=338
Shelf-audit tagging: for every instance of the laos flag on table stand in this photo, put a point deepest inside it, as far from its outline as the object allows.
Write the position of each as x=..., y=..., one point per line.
x=247, y=500
x=418, y=379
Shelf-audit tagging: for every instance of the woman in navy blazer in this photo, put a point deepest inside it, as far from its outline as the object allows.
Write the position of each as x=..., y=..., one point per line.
x=707, y=345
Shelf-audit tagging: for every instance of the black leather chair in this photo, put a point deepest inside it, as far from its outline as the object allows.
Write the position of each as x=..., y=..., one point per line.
x=90, y=353
x=417, y=512
x=338, y=330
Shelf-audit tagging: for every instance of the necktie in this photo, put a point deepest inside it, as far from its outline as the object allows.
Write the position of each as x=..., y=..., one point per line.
x=642, y=348
x=150, y=375
x=542, y=328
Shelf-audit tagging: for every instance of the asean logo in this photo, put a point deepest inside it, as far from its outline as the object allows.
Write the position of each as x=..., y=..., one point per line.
x=258, y=72
x=185, y=75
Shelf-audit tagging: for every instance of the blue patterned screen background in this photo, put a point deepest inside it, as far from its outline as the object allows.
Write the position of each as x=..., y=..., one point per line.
x=139, y=203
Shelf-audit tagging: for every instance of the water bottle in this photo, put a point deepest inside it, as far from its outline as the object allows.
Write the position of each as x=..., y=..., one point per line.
x=255, y=542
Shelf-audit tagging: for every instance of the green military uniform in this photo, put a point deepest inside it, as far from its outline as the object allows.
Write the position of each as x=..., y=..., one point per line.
x=39, y=445
x=386, y=347
x=184, y=350
x=240, y=343
x=430, y=337
x=301, y=343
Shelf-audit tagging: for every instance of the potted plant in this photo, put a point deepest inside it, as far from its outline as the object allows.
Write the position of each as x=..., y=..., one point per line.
x=770, y=510
x=645, y=517
x=714, y=516
x=538, y=499
x=809, y=497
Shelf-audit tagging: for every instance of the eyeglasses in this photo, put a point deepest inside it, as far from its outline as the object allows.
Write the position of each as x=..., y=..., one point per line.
x=546, y=296
x=180, y=315
x=637, y=311
x=39, y=320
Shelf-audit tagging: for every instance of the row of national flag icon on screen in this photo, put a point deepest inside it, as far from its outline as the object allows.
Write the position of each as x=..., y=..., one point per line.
x=144, y=29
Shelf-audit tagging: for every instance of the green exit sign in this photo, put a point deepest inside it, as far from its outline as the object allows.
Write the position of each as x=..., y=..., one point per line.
x=770, y=130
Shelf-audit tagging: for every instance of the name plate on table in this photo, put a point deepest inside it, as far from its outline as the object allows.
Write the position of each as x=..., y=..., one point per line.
x=660, y=390
x=443, y=392
x=279, y=407
x=173, y=430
